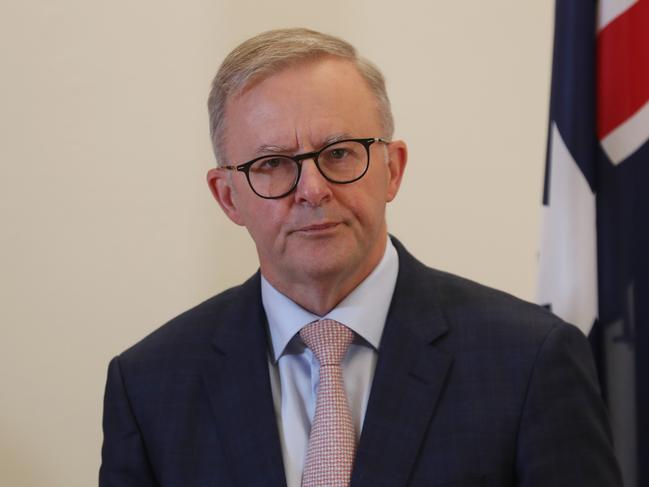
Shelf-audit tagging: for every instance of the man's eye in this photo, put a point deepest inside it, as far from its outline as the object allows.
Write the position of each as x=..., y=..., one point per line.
x=272, y=163
x=337, y=154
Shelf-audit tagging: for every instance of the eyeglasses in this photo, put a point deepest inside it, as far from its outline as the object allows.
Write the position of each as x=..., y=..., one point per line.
x=340, y=162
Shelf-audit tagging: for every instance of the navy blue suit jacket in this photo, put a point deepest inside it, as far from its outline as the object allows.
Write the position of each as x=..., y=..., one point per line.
x=472, y=388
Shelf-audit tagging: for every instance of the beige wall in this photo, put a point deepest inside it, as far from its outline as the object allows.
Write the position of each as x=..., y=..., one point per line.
x=108, y=228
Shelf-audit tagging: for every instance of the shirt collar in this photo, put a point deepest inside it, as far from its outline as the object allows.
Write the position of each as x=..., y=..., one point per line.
x=364, y=310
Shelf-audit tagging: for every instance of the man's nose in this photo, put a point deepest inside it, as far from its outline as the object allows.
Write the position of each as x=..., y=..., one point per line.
x=312, y=188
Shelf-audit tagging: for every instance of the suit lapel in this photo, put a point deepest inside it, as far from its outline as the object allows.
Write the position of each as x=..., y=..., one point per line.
x=237, y=381
x=408, y=382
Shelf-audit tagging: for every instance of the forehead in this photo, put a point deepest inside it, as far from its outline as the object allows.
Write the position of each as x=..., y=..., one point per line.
x=300, y=107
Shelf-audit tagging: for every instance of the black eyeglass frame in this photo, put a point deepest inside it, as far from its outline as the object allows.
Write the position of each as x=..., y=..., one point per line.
x=245, y=167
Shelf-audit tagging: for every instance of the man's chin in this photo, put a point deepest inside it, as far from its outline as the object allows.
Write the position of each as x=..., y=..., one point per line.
x=322, y=267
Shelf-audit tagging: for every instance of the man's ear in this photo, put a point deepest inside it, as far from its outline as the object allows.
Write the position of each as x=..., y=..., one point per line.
x=397, y=160
x=220, y=182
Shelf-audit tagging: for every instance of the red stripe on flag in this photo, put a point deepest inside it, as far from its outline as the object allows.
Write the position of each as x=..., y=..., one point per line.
x=622, y=68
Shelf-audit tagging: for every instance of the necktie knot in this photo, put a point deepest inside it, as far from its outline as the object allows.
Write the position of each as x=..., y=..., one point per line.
x=328, y=340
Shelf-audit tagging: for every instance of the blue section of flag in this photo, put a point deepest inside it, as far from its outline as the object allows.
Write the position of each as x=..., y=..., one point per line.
x=572, y=105
x=622, y=199
x=623, y=279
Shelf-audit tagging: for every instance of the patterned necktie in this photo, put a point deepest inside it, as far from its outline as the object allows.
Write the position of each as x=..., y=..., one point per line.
x=332, y=442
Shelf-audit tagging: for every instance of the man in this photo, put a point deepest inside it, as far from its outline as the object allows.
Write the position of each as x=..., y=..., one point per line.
x=344, y=361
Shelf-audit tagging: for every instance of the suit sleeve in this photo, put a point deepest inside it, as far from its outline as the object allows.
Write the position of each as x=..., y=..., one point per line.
x=124, y=457
x=564, y=438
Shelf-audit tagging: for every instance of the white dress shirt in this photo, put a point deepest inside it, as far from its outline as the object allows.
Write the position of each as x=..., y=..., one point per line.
x=294, y=371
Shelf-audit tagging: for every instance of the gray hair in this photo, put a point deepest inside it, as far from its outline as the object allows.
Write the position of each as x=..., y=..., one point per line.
x=270, y=52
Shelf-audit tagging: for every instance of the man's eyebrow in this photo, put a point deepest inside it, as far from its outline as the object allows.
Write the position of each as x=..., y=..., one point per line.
x=281, y=149
x=270, y=148
x=336, y=138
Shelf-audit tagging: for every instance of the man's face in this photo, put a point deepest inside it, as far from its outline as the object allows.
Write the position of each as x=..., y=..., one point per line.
x=322, y=232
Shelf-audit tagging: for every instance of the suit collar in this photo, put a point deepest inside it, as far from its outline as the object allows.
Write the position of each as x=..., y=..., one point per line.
x=237, y=380
x=408, y=381
x=417, y=300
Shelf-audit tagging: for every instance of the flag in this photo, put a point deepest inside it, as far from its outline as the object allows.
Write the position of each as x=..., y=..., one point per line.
x=594, y=255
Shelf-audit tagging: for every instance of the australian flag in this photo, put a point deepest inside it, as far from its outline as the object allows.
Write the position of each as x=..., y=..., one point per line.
x=594, y=257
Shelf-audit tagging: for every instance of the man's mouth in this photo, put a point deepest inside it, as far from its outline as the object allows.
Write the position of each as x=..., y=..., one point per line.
x=318, y=227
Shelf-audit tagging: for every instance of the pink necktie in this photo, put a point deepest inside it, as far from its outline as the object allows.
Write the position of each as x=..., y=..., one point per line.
x=332, y=442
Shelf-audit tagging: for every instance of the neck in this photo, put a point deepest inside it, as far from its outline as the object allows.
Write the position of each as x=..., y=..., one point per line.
x=320, y=294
